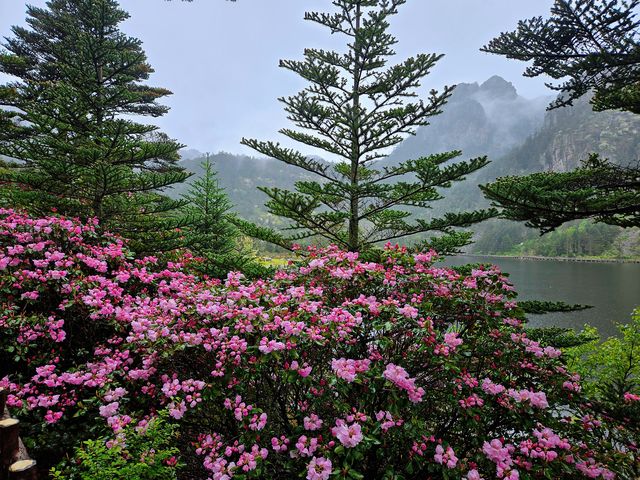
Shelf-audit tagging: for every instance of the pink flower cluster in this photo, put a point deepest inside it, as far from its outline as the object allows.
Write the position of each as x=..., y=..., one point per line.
x=535, y=348
x=536, y=399
x=545, y=446
x=312, y=422
x=347, y=369
x=348, y=435
x=445, y=457
x=319, y=469
x=400, y=378
x=631, y=397
x=387, y=421
x=501, y=455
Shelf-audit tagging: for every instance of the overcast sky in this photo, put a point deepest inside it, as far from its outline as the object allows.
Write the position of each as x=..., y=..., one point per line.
x=220, y=59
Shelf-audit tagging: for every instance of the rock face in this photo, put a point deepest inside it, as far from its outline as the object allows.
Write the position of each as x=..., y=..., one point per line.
x=575, y=132
x=497, y=87
x=567, y=136
x=479, y=119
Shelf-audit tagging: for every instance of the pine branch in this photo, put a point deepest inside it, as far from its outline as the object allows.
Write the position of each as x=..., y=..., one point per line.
x=600, y=190
x=289, y=156
x=594, y=44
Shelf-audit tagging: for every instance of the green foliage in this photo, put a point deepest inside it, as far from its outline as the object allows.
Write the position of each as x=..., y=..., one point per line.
x=140, y=453
x=79, y=80
x=610, y=368
x=539, y=307
x=449, y=244
x=559, y=337
x=576, y=239
x=600, y=190
x=263, y=233
x=610, y=372
x=212, y=235
x=358, y=107
x=582, y=238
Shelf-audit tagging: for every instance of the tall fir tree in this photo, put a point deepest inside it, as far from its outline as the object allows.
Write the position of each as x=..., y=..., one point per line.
x=356, y=108
x=80, y=83
x=593, y=46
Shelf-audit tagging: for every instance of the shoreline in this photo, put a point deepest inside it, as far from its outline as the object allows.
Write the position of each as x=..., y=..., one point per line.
x=556, y=259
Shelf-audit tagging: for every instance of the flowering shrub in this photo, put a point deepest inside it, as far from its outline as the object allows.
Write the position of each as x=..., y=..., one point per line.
x=333, y=368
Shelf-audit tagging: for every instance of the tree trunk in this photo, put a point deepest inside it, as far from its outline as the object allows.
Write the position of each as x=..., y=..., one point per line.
x=23, y=470
x=9, y=444
x=15, y=463
x=354, y=210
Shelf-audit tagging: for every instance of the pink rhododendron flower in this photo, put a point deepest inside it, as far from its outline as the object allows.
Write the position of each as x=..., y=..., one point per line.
x=399, y=377
x=408, y=311
x=445, y=457
x=537, y=399
x=631, y=397
x=280, y=444
x=347, y=369
x=348, y=435
x=258, y=422
x=473, y=475
x=492, y=388
x=52, y=417
x=452, y=340
x=312, y=422
x=268, y=346
x=109, y=410
x=306, y=446
x=387, y=420
x=319, y=469
x=425, y=257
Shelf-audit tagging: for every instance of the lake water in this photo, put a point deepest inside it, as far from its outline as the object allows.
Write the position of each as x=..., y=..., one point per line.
x=613, y=289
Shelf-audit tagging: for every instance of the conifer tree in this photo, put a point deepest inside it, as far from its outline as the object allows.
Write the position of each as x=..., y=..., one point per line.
x=591, y=45
x=79, y=85
x=211, y=234
x=356, y=108
x=594, y=47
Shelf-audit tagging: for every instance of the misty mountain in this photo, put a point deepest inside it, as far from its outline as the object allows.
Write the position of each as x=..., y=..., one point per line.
x=480, y=119
x=564, y=138
x=568, y=135
x=190, y=153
